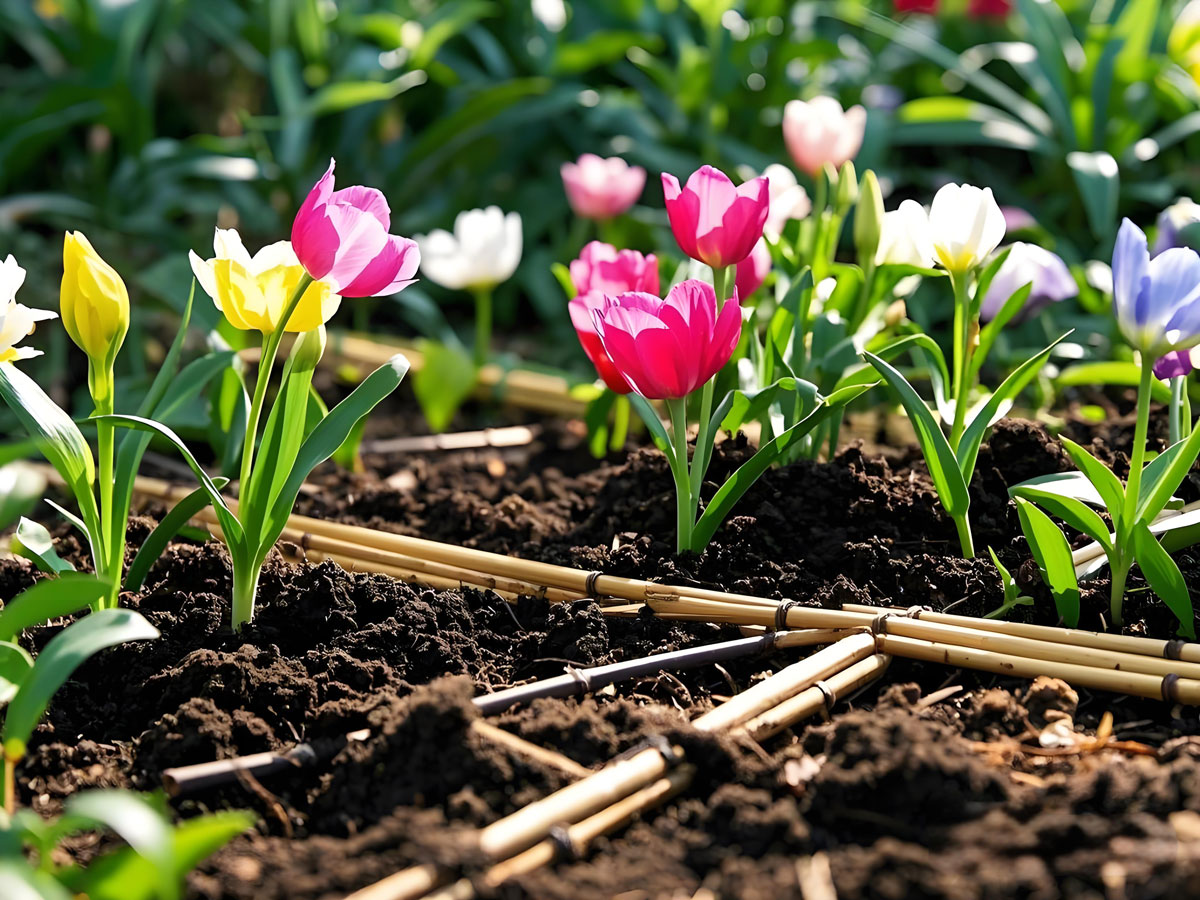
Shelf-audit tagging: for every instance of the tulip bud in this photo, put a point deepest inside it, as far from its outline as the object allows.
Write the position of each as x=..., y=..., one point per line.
x=868, y=218
x=830, y=174
x=308, y=350
x=95, y=310
x=847, y=188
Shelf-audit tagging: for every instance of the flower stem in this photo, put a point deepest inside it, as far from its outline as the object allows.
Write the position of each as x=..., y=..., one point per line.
x=679, y=468
x=266, y=362
x=1133, y=487
x=483, y=325
x=112, y=544
x=962, y=355
x=1178, y=397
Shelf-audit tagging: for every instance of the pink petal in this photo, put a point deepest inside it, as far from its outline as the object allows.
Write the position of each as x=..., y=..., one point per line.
x=389, y=272
x=314, y=237
x=715, y=193
x=360, y=239
x=683, y=209
x=367, y=199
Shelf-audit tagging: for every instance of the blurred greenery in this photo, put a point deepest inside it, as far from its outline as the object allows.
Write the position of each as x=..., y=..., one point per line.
x=146, y=122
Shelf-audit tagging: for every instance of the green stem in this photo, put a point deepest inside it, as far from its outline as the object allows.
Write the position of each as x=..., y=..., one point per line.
x=963, y=524
x=112, y=544
x=1133, y=487
x=862, y=306
x=266, y=362
x=962, y=355
x=679, y=468
x=1117, y=592
x=1175, y=410
x=483, y=325
x=245, y=591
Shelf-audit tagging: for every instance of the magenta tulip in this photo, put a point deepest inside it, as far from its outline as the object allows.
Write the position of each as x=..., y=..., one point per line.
x=341, y=237
x=600, y=188
x=715, y=221
x=668, y=348
x=581, y=309
x=753, y=270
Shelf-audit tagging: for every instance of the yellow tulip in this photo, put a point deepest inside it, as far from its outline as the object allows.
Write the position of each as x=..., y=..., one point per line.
x=94, y=302
x=252, y=291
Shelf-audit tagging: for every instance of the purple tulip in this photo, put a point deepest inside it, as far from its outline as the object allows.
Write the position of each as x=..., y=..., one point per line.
x=1171, y=222
x=1174, y=364
x=1156, y=301
x=1028, y=264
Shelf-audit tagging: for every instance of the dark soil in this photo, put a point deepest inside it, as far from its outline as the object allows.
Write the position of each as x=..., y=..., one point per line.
x=901, y=794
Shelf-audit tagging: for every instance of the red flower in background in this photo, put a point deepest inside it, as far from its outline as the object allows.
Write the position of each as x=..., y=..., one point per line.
x=991, y=9
x=929, y=7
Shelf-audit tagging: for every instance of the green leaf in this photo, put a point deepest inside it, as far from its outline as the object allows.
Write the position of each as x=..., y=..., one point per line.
x=1164, y=578
x=996, y=405
x=1098, y=178
x=1164, y=474
x=20, y=881
x=50, y=599
x=739, y=407
x=33, y=542
x=15, y=666
x=939, y=374
x=339, y=96
x=154, y=545
x=1107, y=485
x=21, y=487
x=658, y=431
x=943, y=467
x=170, y=364
x=144, y=828
x=1053, y=555
x=57, y=437
x=596, y=418
x=325, y=439
x=1070, y=509
x=749, y=472
x=54, y=665
x=1012, y=596
x=988, y=334
x=443, y=382
x=1117, y=374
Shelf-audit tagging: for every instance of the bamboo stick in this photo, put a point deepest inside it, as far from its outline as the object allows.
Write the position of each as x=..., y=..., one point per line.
x=416, y=881
x=499, y=438
x=522, y=747
x=811, y=701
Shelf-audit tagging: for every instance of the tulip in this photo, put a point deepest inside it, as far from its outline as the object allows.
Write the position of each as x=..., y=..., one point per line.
x=1174, y=225
x=95, y=305
x=17, y=322
x=1175, y=364
x=1156, y=301
x=602, y=189
x=753, y=270
x=904, y=237
x=714, y=221
x=787, y=198
x=818, y=131
x=1017, y=219
x=989, y=9
x=668, y=348
x=927, y=7
x=253, y=291
x=483, y=251
x=602, y=267
x=341, y=237
x=965, y=225
x=1049, y=277
x=581, y=310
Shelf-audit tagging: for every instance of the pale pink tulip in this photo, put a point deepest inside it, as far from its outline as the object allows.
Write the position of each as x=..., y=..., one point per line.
x=341, y=237
x=714, y=220
x=819, y=131
x=753, y=270
x=668, y=348
x=600, y=188
x=602, y=267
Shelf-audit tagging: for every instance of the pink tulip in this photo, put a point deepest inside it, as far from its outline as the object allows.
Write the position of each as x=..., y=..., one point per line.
x=581, y=309
x=819, y=131
x=753, y=270
x=342, y=237
x=602, y=188
x=602, y=267
x=715, y=221
x=668, y=348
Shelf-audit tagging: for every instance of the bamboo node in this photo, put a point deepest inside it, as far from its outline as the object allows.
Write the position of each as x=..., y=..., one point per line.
x=914, y=612
x=671, y=754
x=1174, y=649
x=828, y=693
x=1170, y=688
x=879, y=623
x=565, y=848
x=781, y=612
x=589, y=585
x=585, y=683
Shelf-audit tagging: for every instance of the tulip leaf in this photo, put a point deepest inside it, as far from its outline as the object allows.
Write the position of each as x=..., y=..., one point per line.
x=21, y=487
x=1164, y=578
x=60, y=657
x=996, y=406
x=170, y=525
x=939, y=373
x=1070, y=509
x=1107, y=485
x=984, y=282
x=1164, y=474
x=20, y=881
x=445, y=379
x=658, y=431
x=749, y=472
x=15, y=666
x=144, y=828
x=1074, y=485
x=1099, y=181
x=943, y=467
x=739, y=407
x=50, y=599
x=324, y=441
x=33, y=542
x=989, y=332
x=1053, y=555
x=170, y=364
x=1012, y=593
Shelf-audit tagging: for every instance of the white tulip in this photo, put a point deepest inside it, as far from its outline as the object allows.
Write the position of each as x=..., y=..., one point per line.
x=789, y=200
x=483, y=251
x=904, y=237
x=16, y=321
x=965, y=225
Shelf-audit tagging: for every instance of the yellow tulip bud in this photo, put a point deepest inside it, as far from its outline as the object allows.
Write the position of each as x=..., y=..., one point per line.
x=95, y=304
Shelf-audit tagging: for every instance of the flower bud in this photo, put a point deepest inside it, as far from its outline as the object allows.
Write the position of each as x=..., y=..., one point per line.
x=868, y=217
x=308, y=350
x=95, y=308
x=847, y=188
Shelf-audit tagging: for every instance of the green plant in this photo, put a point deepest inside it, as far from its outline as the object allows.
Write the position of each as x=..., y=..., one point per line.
x=1012, y=593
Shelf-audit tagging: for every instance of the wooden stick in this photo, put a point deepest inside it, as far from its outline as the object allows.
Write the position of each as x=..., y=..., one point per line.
x=522, y=747
x=415, y=881
x=509, y=436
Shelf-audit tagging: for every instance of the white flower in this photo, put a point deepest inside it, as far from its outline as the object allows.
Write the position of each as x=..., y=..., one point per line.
x=483, y=251
x=16, y=321
x=789, y=200
x=904, y=237
x=965, y=225
x=551, y=13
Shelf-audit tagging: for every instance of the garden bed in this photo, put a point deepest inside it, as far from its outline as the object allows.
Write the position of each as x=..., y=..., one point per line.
x=910, y=790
